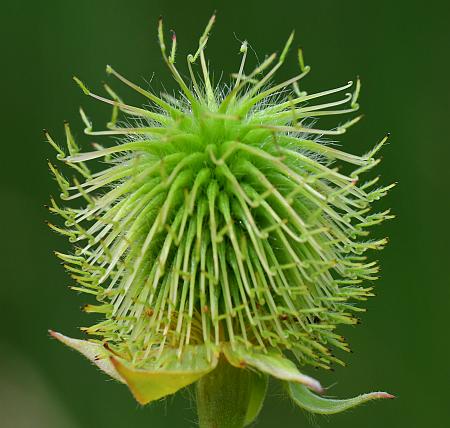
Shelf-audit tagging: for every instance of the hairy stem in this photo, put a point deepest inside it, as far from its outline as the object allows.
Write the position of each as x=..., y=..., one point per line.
x=223, y=397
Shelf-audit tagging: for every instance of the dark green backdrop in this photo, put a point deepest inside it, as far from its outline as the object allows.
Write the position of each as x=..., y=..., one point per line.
x=401, y=51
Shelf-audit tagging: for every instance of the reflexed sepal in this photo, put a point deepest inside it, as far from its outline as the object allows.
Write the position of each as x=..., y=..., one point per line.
x=309, y=401
x=159, y=377
x=95, y=352
x=273, y=363
x=258, y=392
x=167, y=374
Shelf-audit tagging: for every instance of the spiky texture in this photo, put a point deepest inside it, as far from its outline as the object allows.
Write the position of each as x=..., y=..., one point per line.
x=221, y=216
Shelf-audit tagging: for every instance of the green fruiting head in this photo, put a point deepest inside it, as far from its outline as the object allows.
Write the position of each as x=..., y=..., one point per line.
x=220, y=223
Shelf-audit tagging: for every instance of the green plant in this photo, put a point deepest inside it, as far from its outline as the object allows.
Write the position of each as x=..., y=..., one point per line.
x=220, y=242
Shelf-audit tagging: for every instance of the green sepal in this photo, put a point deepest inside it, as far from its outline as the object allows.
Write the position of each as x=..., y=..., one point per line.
x=311, y=402
x=167, y=374
x=95, y=352
x=272, y=362
x=258, y=392
x=155, y=379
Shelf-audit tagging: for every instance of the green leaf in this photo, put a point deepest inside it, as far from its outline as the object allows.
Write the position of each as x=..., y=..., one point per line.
x=167, y=374
x=311, y=402
x=272, y=363
x=95, y=352
x=258, y=392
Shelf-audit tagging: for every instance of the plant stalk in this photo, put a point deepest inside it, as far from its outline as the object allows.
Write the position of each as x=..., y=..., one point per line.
x=223, y=397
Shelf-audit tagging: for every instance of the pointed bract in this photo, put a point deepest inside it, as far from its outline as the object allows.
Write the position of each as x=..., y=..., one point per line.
x=311, y=402
x=155, y=381
x=272, y=363
x=94, y=352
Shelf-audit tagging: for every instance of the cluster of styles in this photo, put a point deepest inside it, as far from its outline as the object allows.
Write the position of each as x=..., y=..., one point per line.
x=220, y=228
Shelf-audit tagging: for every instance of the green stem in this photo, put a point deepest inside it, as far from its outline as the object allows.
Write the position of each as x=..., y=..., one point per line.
x=223, y=397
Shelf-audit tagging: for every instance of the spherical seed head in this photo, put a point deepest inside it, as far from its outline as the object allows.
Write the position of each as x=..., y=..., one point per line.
x=221, y=217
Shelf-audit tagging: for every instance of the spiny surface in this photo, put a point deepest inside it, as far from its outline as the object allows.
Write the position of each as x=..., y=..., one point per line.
x=220, y=217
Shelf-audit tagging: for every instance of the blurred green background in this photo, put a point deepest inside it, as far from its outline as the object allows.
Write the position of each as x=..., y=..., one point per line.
x=400, y=50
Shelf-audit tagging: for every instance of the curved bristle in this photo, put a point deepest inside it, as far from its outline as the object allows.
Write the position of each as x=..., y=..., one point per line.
x=221, y=216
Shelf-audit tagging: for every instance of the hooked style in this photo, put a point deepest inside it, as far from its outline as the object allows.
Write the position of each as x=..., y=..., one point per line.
x=220, y=227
